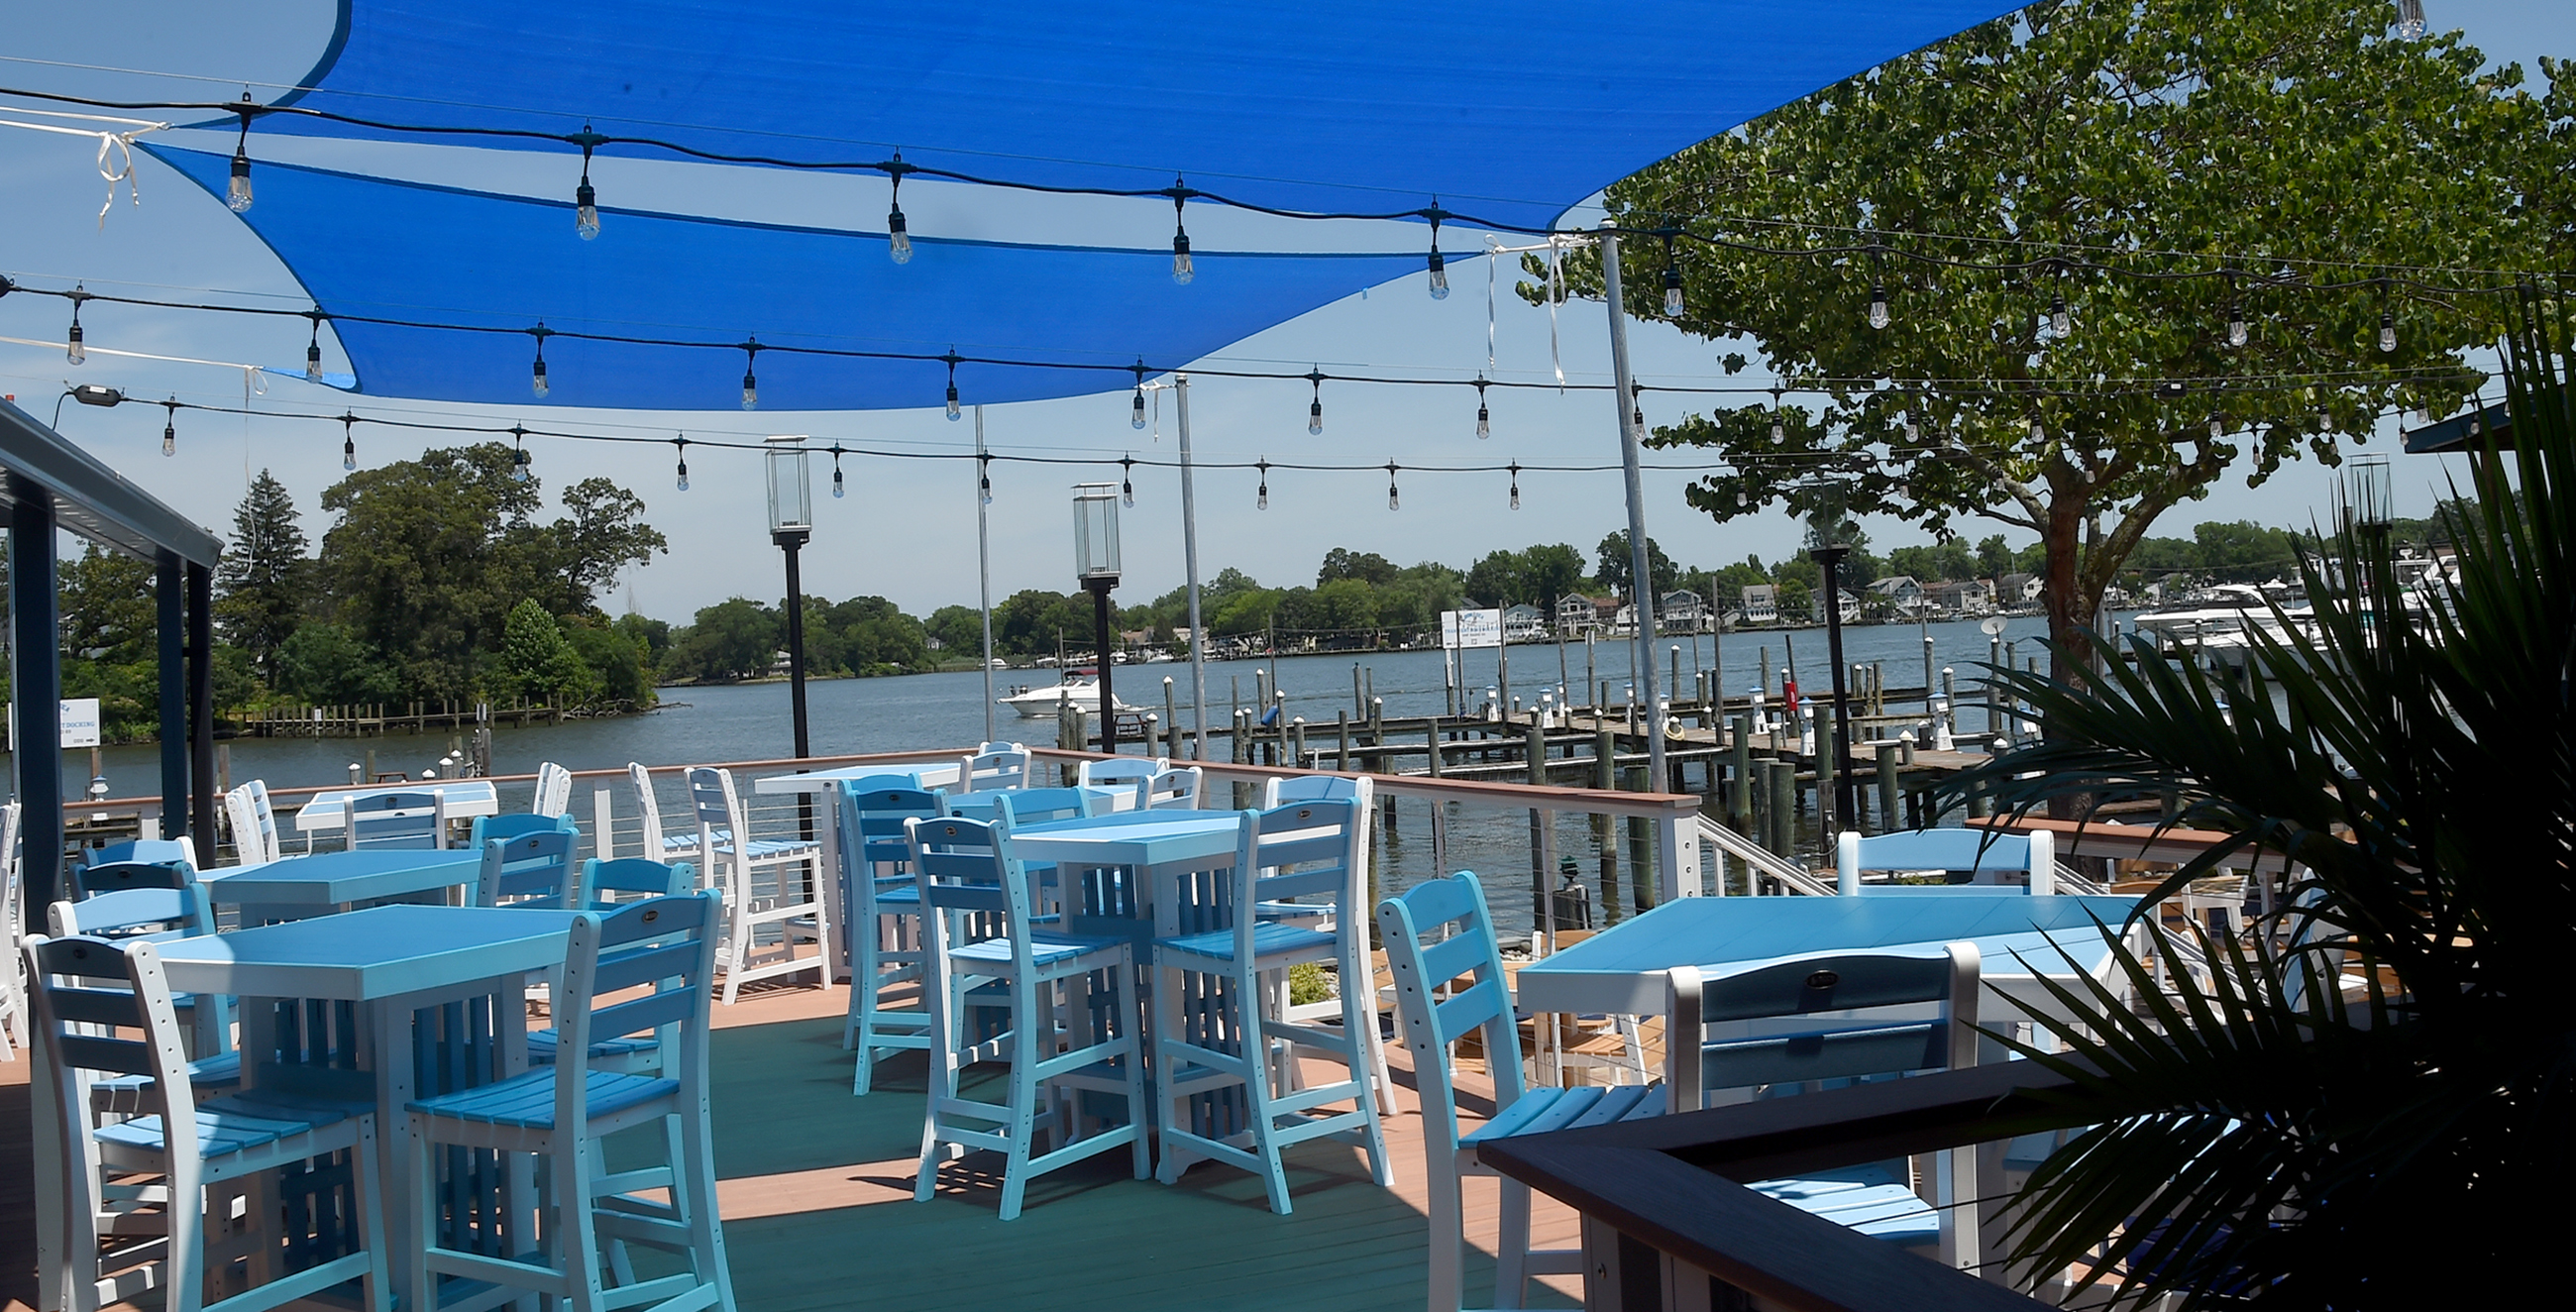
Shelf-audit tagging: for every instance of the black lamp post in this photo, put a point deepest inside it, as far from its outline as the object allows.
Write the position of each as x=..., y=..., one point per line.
x=1095, y=564
x=1826, y=529
x=791, y=524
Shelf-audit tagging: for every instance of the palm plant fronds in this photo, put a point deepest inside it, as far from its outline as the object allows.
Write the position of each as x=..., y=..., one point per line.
x=2416, y=768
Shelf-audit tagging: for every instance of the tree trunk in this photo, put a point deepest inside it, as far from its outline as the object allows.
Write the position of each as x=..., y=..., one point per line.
x=2070, y=607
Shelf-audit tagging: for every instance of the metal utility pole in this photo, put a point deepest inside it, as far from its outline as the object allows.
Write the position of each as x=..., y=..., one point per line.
x=1641, y=577
x=1190, y=563
x=984, y=568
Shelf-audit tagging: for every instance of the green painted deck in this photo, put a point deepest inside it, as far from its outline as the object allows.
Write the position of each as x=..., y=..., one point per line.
x=789, y=1137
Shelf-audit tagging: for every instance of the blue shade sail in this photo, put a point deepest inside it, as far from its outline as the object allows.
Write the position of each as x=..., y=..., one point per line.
x=369, y=246
x=1511, y=111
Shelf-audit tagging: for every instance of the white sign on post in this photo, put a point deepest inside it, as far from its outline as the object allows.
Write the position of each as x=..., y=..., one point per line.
x=80, y=722
x=1471, y=628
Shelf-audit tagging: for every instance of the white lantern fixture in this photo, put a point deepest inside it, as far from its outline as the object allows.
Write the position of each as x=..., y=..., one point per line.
x=1095, y=533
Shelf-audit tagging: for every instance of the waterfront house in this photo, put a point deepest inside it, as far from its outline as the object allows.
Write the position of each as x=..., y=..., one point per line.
x=1970, y=597
x=1899, y=591
x=1761, y=603
x=1523, y=622
x=1681, y=608
x=2018, y=589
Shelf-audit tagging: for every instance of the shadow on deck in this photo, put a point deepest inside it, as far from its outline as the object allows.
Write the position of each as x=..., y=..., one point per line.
x=816, y=1190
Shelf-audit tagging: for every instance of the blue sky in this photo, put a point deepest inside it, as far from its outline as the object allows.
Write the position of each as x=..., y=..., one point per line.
x=906, y=529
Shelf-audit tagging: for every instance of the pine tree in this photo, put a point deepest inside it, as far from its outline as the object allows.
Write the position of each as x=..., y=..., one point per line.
x=262, y=590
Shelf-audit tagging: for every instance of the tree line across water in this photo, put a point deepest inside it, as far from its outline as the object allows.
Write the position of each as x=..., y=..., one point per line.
x=438, y=580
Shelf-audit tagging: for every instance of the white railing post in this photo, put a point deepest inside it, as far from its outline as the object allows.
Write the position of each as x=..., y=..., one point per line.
x=603, y=843
x=1677, y=853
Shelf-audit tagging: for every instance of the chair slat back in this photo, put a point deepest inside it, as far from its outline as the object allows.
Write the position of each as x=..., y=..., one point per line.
x=669, y=942
x=533, y=870
x=647, y=806
x=724, y=831
x=104, y=1008
x=136, y=898
x=1120, y=771
x=1170, y=790
x=963, y=865
x=1279, y=790
x=1037, y=806
x=1303, y=848
x=1418, y=928
x=1979, y=853
x=400, y=820
x=254, y=826
x=1845, y=1047
x=489, y=827
x=606, y=885
x=997, y=765
x=872, y=816
x=554, y=790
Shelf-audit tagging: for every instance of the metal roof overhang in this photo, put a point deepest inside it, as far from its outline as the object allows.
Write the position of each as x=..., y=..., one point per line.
x=93, y=500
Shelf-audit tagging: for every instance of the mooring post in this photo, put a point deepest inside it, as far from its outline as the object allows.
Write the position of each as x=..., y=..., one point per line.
x=1342, y=730
x=1887, y=786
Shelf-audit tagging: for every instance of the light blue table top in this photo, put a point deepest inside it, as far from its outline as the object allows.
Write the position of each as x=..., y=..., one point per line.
x=363, y=956
x=338, y=878
x=1622, y=969
x=1132, y=838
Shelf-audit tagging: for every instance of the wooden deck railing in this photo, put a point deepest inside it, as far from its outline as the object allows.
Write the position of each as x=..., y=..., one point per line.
x=1668, y=1223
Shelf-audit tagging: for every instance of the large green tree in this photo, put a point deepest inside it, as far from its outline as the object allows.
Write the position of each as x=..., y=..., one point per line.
x=263, y=586
x=429, y=556
x=2294, y=159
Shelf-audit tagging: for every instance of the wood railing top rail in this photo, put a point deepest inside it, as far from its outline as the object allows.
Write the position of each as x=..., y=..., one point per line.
x=2133, y=842
x=1490, y=792
x=1675, y=1182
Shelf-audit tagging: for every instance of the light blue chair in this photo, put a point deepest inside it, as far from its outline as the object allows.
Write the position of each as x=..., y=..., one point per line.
x=563, y=1117
x=533, y=870
x=966, y=873
x=155, y=901
x=1211, y=1032
x=103, y=1014
x=489, y=827
x=883, y=914
x=606, y=886
x=1978, y=853
x=1774, y=1028
x=1437, y=934
x=157, y=851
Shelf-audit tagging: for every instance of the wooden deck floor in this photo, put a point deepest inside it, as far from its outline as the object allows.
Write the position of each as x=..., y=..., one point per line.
x=816, y=1192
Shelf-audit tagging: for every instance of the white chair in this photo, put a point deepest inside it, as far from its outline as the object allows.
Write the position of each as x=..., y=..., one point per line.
x=1175, y=789
x=994, y=765
x=396, y=820
x=563, y=1114
x=1127, y=772
x=763, y=921
x=88, y=995
x=1758, y=1031
x=254, y=824
x=1982, y=853
x=1278, y=791
x=657, y=845
x=1439, y=934
x=1301, y=849
x=554, y=791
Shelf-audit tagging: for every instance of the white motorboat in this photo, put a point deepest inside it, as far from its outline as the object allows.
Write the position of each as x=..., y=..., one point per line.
x=1081, y=688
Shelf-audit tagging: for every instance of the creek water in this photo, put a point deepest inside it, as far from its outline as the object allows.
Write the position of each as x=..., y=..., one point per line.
x=913, y=712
